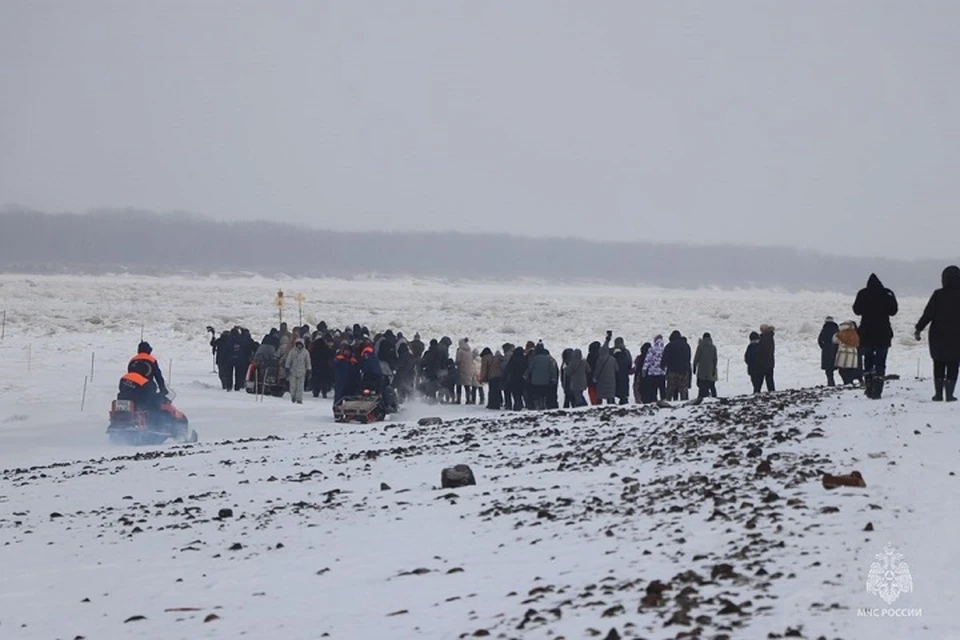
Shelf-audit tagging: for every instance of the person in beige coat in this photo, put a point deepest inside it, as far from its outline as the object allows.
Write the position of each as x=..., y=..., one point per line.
x=847, y=360
x=466, y=374
x=297, y=365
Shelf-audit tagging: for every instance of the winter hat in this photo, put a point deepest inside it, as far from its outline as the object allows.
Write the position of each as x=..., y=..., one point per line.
x=829, y=319
x=144, y=347
x=754, y=335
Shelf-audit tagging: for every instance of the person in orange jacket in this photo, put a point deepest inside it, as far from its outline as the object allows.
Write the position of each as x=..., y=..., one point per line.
x=147, y=366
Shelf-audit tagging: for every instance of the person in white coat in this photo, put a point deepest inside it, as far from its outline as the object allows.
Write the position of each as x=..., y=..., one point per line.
x=297, y=365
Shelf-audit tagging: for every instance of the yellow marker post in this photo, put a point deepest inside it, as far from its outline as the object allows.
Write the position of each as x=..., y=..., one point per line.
x=280, y=304
x=300, y=300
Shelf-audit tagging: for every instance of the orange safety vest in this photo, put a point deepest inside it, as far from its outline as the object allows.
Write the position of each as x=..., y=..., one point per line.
x=144, y=356
x=136, y=379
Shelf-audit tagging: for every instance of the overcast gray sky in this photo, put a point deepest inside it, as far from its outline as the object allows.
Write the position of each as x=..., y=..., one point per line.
x=833, y=125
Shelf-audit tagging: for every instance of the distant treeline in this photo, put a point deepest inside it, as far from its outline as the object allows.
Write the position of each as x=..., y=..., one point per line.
x=143, y=242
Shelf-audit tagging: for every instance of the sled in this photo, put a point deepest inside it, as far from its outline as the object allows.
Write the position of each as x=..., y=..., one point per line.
x=364, y=409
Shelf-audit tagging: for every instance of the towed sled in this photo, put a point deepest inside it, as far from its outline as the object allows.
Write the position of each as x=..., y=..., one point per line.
x=265, y=381
x=369, y=406
x=366, y=408
x=130, y=425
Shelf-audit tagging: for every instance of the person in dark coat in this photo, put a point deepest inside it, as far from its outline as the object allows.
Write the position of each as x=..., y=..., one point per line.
x=513, y=380
x=564, y=363
x=640, y=381
x=576, y=374
x=406, y=373
x=540, y=376
x=238, y=363
x=321, y=365
x=942, y=313
x=751, y=358
x=766, y=360
x=676, y=362
x=605, y=374
x=223, y=350
x=875, y=304
x=828, y=349
x=624, y=368
x=593, y=352
x=346, y=374
x=705, y=362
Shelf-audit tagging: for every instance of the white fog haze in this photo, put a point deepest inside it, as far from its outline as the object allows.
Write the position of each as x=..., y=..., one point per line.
x=816, y=125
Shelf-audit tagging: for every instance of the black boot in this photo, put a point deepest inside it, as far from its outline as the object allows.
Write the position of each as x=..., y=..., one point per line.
x=868, y=385
x=950, y=386
x=938, y=390
x=878, y=382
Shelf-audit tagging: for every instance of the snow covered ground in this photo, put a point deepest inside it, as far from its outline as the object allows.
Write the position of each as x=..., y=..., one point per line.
x=574, y=517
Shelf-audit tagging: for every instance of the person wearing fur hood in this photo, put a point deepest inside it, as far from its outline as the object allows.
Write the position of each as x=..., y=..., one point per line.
x=847, y=359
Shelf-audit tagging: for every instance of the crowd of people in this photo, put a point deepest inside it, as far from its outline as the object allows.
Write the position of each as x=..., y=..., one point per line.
x=329, y=360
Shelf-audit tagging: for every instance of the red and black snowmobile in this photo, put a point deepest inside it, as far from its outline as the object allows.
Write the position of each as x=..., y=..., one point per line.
x=131, y=425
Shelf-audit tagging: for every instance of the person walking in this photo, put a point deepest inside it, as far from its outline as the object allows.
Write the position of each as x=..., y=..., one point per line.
x=942, y=314
x=847, y=360
x=875, y=304
x=297, y=366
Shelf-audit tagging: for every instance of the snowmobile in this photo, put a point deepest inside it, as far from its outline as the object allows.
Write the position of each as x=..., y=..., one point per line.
x=266, y=382
x=130, y=425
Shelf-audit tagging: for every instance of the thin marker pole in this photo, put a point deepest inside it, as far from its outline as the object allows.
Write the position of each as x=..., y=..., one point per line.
x=170, y=371
x=3, y=325
x=93, y=356
x=83, y=398
x=29, y=356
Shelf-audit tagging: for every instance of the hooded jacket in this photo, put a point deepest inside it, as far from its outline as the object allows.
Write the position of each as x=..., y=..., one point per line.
x=540, y=368
x=653, y=363
x=942, y=313
x=491, y=367
x=605, y=373
x=705, y=360
x=751, y=354
x=466, y=376
x=676, y=355
x=828, y=349
x=766, y=350
x=875, y=304
x=297, y=361
x=576, y=372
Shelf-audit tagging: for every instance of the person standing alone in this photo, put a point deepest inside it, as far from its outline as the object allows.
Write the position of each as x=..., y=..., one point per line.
x=942, y=313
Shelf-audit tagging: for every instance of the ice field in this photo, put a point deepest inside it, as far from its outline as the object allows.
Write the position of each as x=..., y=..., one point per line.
x=575, y=516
